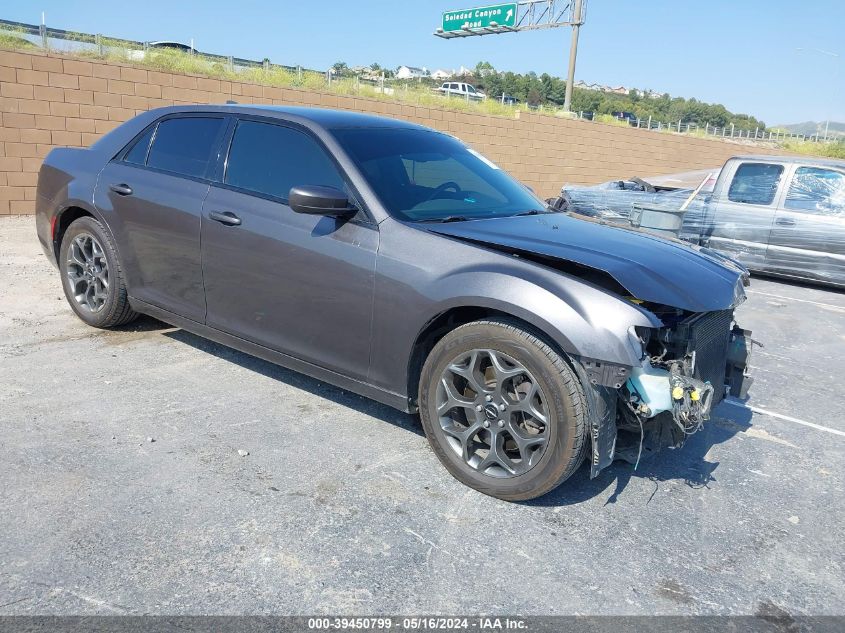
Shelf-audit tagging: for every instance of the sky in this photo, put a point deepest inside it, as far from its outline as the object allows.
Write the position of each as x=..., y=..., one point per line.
x=779, y=60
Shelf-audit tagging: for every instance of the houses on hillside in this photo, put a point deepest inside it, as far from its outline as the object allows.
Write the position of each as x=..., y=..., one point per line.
x=442, y=74
x=617, y=90
x=412, y=72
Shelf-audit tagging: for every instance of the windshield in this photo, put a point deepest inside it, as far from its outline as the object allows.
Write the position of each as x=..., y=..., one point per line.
x=422, y=175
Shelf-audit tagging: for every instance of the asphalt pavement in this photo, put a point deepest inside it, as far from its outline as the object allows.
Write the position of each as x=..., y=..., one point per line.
x=149, y=471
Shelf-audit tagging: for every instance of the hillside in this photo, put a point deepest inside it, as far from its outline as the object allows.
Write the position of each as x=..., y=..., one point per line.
x=810, y=128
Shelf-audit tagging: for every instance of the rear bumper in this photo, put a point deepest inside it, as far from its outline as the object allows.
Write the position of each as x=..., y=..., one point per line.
x=44, y=228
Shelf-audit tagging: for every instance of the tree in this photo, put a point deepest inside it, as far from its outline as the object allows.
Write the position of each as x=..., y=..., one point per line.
x=484, y=69
x=340, y=68
x=375, y=67
x=643, y=104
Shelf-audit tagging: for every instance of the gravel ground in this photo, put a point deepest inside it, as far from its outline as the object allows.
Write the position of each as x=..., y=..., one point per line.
x=127, y=487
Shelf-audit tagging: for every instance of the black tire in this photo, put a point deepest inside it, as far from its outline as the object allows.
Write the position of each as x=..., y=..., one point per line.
x=113, y=302
x=565, y=407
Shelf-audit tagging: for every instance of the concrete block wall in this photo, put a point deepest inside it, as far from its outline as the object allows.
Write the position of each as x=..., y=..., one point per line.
x=50, y=100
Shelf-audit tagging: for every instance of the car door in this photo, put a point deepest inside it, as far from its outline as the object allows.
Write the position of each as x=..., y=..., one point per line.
x=152, y=195
x=299, y=284
x=742, y=212
x=808, y=234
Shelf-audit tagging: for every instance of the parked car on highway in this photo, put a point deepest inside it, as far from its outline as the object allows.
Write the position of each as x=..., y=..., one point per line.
x=392, y=260
x=468, y=91
x=778, y=215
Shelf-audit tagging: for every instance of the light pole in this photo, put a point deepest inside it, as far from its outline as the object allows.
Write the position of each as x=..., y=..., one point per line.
x=835, y=73
x=573, y=52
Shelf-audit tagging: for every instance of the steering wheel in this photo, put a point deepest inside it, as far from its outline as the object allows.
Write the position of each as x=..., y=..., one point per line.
x=449, y=184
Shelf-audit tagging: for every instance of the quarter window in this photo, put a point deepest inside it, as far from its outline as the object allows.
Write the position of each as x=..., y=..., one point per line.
x=186, y=145
x=755, y=183
x=271, y=159
x=138, y=154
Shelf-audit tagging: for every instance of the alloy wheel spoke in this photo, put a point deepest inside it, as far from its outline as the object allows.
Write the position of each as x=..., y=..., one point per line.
x=468, y=373
x=496, y=456
x=502, y=372
x=99, y=292
x=77, y=256
x=453, y=398
x=525, y=442
x=464, y=435
x=526, y=405
x=89, y=296
x=82, y=243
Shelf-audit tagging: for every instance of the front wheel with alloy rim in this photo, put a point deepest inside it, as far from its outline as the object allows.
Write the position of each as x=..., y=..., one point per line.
x=91, y=275
x=503, y=411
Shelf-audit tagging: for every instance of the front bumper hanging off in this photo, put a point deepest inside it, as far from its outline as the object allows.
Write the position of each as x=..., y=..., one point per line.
x=638, y=411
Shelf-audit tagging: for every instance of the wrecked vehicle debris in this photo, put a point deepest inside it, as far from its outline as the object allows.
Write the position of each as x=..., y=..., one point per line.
x=682, y=367
x=392, y=260
x=779, y=215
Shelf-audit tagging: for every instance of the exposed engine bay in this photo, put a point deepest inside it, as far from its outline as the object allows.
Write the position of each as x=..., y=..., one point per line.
x=688, y=367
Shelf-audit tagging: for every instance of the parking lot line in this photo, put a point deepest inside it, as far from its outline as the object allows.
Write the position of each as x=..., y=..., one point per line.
x=816, y=303
x=788, y=418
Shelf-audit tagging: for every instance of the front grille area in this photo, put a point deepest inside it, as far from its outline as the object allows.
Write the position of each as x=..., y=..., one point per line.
x=708, y=335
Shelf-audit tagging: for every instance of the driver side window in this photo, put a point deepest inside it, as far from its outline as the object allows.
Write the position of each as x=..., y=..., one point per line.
x=755, y=183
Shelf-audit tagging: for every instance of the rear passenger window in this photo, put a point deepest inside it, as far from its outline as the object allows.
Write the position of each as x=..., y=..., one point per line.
x=816, y=190
x=270, y=159
x=138, y=154
x=755, y=183
x=185, y=145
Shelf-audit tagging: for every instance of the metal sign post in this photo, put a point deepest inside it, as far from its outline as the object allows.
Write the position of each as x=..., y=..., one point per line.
x=573, y=53
x=525, y=15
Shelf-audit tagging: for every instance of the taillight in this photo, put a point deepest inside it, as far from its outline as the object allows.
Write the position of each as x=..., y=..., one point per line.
x=53, y=227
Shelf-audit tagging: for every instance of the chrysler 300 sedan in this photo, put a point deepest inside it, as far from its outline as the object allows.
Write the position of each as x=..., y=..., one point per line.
x=394, y=261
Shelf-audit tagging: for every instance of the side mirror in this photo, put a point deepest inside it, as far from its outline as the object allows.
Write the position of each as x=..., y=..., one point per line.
x=319, y=200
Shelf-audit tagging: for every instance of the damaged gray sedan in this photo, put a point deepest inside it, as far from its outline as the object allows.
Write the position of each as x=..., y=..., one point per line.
x=391, y=260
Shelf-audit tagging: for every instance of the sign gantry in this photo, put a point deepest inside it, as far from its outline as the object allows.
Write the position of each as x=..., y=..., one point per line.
x=509, y=17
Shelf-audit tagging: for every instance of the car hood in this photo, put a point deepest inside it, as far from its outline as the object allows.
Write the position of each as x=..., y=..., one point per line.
x=650, y=268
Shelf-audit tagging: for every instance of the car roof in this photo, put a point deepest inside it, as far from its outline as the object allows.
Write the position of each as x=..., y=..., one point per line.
x=321, y=117
x=804, y=160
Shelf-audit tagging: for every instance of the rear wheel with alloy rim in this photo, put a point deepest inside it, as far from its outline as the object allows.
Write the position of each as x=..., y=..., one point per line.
x=503, y=410
x=91, y=275
x=87, y=272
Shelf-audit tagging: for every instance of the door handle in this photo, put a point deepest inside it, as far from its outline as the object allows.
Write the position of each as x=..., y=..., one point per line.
x=121, y=189
x=785, y=222
x=225, y=217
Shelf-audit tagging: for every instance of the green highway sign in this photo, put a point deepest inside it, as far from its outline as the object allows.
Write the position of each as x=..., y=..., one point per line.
x=480, y=18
